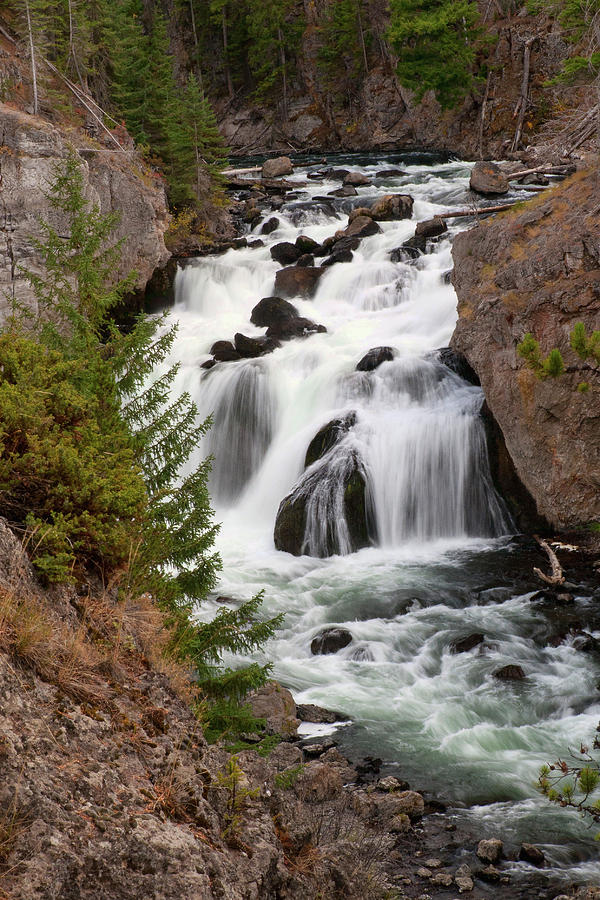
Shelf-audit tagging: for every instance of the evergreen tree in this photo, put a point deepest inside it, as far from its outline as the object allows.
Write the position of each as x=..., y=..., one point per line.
x=435, y=44
x=344, y=49
x=91, y=448
x=274, y=33
x=196, y=145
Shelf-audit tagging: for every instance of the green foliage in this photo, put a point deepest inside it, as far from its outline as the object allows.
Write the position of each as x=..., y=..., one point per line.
x=274, y=33
x=343, y=52
x=435, y=41
x=286, y=780
x=197, y=147
x=232, y=780
x=550, y=367
x=573, y=784
x=91, y=447
x=585, y=347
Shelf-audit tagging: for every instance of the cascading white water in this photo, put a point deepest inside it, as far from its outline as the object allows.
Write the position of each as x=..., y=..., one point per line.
x=437, y=569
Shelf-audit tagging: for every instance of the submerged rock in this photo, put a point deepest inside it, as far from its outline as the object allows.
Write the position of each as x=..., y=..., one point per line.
x=294, y=282
x=330, y=640
x=458, y=364
x=327, y=437
x=532, y=854
x=356, y=179
x=467, y=643
x=509, y=673
x=375, y=358
x=295, y=328
x=410, y=249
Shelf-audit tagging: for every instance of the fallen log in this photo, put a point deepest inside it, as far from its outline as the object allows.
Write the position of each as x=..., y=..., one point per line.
x=475, y=211
x=542, y=170
x=557, y=577
x=242, y=171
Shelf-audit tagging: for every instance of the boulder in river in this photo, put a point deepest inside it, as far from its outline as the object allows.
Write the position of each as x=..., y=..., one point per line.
x=392, y=208
x=488, y=179
x=276, y=168
x=251, y=347
x=430, y=228
x=410, y=249
x=326, y=512
x=467, y=643
x=361, y=226
x=375, y=358
x=356, y=179
x=306, y=244
x=270, y=225
x=224, y=351
x=390, y=173
x=307, y=259
x=275, y=704
x=458, y=364
x=297, y=327
x=327, y=437
x=490, y=850
x=338, y=256
x=330, y=640
x=346, y=191
x=509, y=673
x=272, y=311
x=285, y=253
x=294, y=282
x=532, y=854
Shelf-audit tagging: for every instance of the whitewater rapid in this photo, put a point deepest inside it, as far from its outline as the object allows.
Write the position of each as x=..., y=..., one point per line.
x=443, y=565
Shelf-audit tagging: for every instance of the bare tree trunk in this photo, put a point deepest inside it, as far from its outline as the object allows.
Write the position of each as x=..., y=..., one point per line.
x=33, y=60
x=482, y=118
x=72, y=51
x=283, y=71
x=196, y=47
x=225, y=56
x=198, y=160
x=521, y=106
x=362, y=39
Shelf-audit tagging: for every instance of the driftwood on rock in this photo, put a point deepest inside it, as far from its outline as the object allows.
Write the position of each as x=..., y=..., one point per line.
x=475, y=211
x=542, y=170
x=557, y=577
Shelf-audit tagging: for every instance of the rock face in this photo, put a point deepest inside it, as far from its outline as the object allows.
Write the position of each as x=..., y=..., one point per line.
x=30, y=149
x=488, y=179
x=538, y=270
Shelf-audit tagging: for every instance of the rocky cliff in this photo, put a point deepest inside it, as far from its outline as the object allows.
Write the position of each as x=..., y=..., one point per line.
x=30, y=148
x=536, y=269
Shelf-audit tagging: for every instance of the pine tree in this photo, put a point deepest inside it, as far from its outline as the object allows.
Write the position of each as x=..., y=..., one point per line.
x=435, y=41
x=92, y=444
x=196, y=145
x=274, y=33
x=343, y=54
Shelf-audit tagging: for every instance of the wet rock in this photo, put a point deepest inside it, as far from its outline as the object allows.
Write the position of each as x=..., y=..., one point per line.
x=411, y=804
x=270, y=225
x=362, y=654
x=410, y=249
x=433, y=863
x=208, y=364
x=310, y=712
x=224, y=351
x=488, y=179
x=285, y=253
x=298, y=327
x=275, y=704
x=392, y=208
x=490, y=874
x=336, y=174
x=251, y=347
x=490, y=850
x=305, y=244
x=538, y=179
x=362, y=226
x=464, y=883
x=360, y=211
x=272, y=311
x=346, y=191
x=459, y=364
x=509, y=673
x=254, y=245
x=330, y=640
x=307, y=259
x=390, y=173
x=467, y=643
x=327, y=437
x=253, y=215
x=370, y=765
x=431, y=228
x=294, y=282
x=276, y=168
x=375, y=358
x=316, y=750
x=532, y=854
x=338, y=256
x=356, y=179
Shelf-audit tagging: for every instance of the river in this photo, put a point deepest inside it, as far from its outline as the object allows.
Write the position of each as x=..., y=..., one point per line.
x=443, y=565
